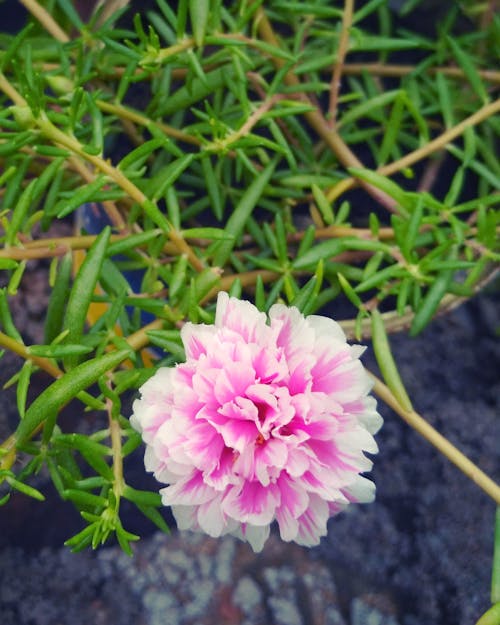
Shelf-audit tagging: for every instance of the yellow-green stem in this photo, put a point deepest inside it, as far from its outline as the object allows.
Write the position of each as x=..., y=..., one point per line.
x=246, y=128
x=349, y=69
x=139, y=339
x=436, y=439
x=316, y=119
x=339, y=63
x=18, y=348
x=46, y=20
x=11, y=92
x=491, y=617
x=134, y=116
x=166, y=53
x=47, y=248
x=8, y=456
x=110, y=208
x=116, y=449
x=488, y=110
x=61, y=138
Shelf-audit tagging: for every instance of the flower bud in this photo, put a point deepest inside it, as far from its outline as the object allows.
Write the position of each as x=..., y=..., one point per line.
x=60, y=84
x=23, y=115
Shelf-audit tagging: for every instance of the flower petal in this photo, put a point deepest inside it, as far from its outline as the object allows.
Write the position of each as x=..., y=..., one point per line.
x=312, y=523
x=223, y=474
x=269, y=456
x=294, y=501
x=185, y=517
x=326, y=329
x=197, y=339
x=210, y=517
x=241, y=317
x=255, y=535
x=252, y=503
x=361, y=490
x=189, y=491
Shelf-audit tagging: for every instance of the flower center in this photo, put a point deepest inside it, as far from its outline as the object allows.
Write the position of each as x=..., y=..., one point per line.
x=260, y=440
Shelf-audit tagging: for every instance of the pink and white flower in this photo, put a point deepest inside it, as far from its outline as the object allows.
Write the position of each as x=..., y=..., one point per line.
x=266, y=420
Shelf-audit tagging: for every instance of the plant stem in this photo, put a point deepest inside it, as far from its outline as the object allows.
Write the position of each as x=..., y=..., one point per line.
x=329, y=232
x=21, y=350
x=46, y=20
x=246, y=128
x=139, y=339
x=108, y=8
x=488, y=110
x=58, y=137
x=48, y=248
x=491, y=617
x=316, y=119
x=338, y=66
x=136, y=117
x=436, y=439
x=398, y=71
x=349, y=69
x=8, y=457
x=495, y=573
x=110, y=208
x=19, y=253
x=116, y=448
x=166, y=53
x=10, y=92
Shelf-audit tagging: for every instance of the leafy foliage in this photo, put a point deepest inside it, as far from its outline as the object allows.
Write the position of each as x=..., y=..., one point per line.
x=218, y=147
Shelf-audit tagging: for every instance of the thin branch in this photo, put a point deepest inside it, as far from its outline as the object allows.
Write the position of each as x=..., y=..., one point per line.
x=136, y=117
x=349, y=69
x=316, y=119
x=436, y=439
x=439, y=143
x=430, y=174
x=486, y=111
x=10, y=92
x=341, y=54
x=46, y=20
x=110, y=207
x=246, y=128
x=328, y=232
x=58, y=137
x=20, y=253
x=139, y=339
x=18, y=348
x=108, y=8
x=398, y=71
x=115, y=433
x=165, y=53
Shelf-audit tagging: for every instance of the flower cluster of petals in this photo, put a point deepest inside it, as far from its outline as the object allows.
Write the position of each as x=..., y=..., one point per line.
x=267, y=420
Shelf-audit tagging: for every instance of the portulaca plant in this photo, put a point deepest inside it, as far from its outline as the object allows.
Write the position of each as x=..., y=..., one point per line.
x=262, y=422
x=205, y=188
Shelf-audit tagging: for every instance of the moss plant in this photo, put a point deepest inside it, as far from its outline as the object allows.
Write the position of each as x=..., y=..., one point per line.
x=315, y=153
